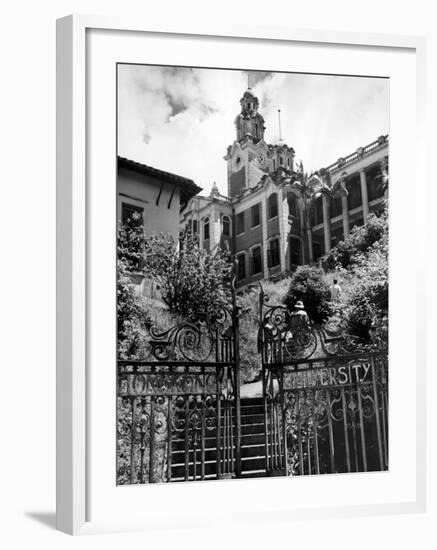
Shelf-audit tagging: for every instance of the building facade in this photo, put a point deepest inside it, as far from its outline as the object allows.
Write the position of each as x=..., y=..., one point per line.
x=158, y=197
x=268, y=223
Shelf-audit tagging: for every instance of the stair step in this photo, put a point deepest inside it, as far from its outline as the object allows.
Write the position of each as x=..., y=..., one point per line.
x=253, y=473
x=198, y=478
x=252, y=401
x=248, y=465
x=178, y=470
x=247, y=410
x=253, y=439
x=210, y=442
x=253, y=463
x=211, y=436
x=178, y=457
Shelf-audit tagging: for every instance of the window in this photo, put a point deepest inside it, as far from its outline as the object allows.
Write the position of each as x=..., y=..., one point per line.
x=317, y=249
x=288, y=162
x=374, y=183
x=194, y=227
x=356, y=223
x=241, y=268
x=317, y=212
x=336, y=207
x=240, y=223
x=274, y=164
x=273, y=253
x=281, y=161
x=256, y=261
x=226, y=226
x=206, y=229
x=256, y=219
x=292, y=204
x=295, y=246
x=128, y=210
x=336, y=236
x=273, y=205
x=353, y=186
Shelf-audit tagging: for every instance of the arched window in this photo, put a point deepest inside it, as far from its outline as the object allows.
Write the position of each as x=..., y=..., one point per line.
x=226, y=226
x=273, y=205
x=206, y=228
x=274, y=164
x=281, y=161
x=194, y=227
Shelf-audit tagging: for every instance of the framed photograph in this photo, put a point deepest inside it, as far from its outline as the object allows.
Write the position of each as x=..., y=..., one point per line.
x=239, y=327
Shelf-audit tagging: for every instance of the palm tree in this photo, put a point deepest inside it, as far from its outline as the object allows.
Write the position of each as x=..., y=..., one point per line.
x=308, y=187
x=383, y=177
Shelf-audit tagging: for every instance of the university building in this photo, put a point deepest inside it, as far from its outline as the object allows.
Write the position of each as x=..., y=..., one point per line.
x=268, y=224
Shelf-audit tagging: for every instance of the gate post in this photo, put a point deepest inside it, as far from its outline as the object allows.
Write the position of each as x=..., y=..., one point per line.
x=273, y=396
x=236, y=339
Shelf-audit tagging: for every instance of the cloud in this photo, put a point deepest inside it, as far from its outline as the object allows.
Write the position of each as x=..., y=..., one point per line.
x=182, y=119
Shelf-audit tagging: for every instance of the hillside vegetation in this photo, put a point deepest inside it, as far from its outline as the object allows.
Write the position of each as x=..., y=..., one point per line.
x=360, y=265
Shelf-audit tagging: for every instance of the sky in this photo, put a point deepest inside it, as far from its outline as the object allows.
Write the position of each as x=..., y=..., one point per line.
x=181, y=120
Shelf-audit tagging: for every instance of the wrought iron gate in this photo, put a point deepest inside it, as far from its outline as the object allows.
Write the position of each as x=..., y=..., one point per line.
x=178, y=411
x=325, y=401
x=325, y=397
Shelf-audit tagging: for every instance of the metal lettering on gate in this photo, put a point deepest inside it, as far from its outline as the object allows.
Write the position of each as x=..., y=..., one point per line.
x=325, y=396
x=179, y=410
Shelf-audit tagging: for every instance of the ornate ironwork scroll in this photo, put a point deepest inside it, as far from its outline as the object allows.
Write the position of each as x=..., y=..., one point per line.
x=325, y=396
x=178, y=411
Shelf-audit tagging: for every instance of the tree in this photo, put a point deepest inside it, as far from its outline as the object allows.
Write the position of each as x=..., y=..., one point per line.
x=361, y=261
x=309, y=285
x=366, y=306
x=131, y=243
x=192, y=282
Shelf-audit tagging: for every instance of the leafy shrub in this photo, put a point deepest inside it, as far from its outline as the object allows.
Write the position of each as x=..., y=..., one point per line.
x=358, y=242
x=192, y=282
x=366, y=304
x=132, y=317
x=309, y=285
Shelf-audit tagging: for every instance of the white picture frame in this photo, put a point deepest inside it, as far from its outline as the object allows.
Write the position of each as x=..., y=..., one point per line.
x=73, y=264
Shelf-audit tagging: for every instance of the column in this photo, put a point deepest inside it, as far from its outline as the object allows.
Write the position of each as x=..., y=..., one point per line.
x=345, y=212
x=283, y=228
x=310, y=246
x=364, y=195
x=326, y=224
x=264, y=235
x=212, y=236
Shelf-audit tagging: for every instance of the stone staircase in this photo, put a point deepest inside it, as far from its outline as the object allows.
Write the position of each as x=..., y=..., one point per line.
x=252, y=448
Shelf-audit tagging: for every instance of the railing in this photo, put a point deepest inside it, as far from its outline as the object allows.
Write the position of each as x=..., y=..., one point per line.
x=175, y=422
x=178, y=411
x=360, y=153
x=325, y=397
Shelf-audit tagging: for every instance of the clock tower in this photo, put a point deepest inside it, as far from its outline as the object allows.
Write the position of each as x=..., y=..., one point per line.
x=247, y=157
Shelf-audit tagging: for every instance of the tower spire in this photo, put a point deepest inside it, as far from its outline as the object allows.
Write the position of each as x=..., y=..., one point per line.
x=248, y=81
x=279, y=119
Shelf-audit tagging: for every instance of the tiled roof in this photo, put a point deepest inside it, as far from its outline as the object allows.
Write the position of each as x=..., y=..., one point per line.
x=187, y=186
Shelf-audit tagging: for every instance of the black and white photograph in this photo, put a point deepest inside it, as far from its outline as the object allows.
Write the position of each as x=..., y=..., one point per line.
x=252, y=274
